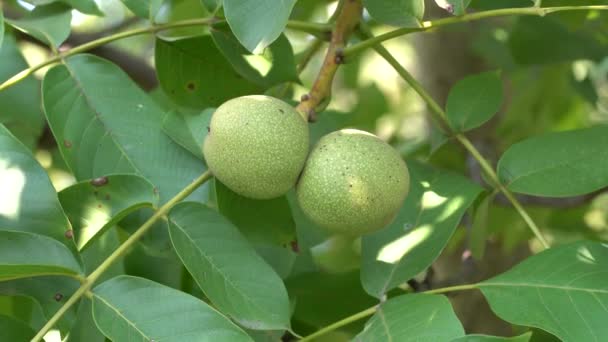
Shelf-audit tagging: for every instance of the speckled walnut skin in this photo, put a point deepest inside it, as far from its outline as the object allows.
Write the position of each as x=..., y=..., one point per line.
x=257, y=146
x=353, y=183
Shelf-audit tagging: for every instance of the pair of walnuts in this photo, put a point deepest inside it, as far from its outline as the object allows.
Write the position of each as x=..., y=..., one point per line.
x=350, y=183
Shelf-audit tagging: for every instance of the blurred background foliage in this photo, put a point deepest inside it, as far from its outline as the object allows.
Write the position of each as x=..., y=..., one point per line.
x=555, y=78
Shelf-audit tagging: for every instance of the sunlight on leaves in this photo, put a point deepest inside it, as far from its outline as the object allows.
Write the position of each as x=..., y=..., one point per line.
x=259, y=63
x=430, y=200
x=395, y=250
x=12, y=183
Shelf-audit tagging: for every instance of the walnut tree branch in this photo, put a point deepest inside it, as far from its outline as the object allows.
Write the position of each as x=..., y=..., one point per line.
x=320, y=93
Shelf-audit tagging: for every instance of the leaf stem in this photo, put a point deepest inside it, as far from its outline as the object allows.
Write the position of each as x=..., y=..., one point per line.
x=463, y=287
x=370, y=311
x=340, y=323
x=119, y=252
x=428, y=25
x=316, y=29
x=102, y=41
x=320, y=93
x=438, y=111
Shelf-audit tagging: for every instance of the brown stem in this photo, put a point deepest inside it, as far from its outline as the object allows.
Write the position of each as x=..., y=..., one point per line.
x=320, y=93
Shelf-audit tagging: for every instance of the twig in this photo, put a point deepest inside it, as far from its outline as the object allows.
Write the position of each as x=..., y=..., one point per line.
x=440, y=113
x=320, y=93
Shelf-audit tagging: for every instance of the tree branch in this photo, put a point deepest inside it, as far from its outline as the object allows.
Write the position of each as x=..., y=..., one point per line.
x=320, y=93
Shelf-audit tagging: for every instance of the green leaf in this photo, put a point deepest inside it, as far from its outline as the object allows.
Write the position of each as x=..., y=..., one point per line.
x=84, y=328
x=563, y=290
x=559, y=164
x=14, y=330
x=313, y=291
x=84, y=6
x=227, y=268
x=455, y=7
x=1, y=28
x=428, y=218
x=485, y=338
x=29, y=202
x=474, y=100
x=257, y=23
x=337, y=254
x=188, y=130
x=267, y=224
x=212, y=5
x=405, y=13
x=104, y=124
x=143, y=8
x=414, y=317
x=128, y=308
x=49, y=292
x=193, y=73
x=50, y=24
x=24, y=119
x=24, y=254
x=536, y=40
x=93, y=206
x=274, y=66
x=478, y=232
x=177, y=10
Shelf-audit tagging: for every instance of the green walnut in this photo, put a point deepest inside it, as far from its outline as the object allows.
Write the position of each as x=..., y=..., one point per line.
x=353, y=183
x=257, y=146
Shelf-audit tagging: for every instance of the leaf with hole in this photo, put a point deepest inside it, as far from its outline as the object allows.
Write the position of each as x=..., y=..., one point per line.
x=423, y=227
x=414, y=317
x=474, y=100
x=404, y=13
x=93, y=208
x=563, y=290
x=49, y=293
x=104, y=124
x=194, y=73
x=128, y=308
x=226, y=267
x=257, y=23
x=557, y=164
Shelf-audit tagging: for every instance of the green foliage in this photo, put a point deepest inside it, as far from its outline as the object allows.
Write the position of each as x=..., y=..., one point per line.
x=557, y=164
x=236, y=280
x=128, y=307
x=257, y=23
x=49, y=24
x=485, y=338
x=423, y=227
x=92, y=96
x=23, y=118
x=563, y=290
x=93, y=208
x=396, y=321
x=113, y=226
x=474, y=100
x=405, y=13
